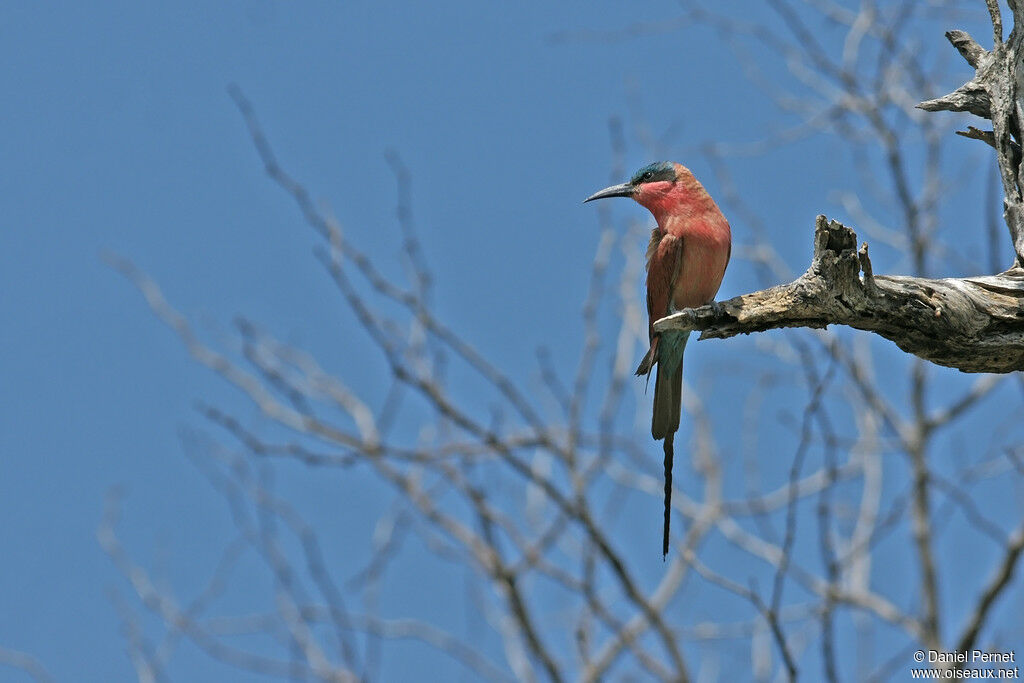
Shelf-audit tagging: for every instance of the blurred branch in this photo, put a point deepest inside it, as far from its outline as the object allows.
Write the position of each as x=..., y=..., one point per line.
x=25, y=662
x=163, y=605
x=999, y=582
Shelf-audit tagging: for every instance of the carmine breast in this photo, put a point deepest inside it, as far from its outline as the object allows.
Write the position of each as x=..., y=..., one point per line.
x=705, y=255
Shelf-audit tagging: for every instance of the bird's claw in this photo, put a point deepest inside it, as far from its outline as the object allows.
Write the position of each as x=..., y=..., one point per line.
x=717, y=309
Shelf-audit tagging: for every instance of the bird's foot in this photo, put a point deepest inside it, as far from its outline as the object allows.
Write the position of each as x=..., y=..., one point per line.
x=717, y=309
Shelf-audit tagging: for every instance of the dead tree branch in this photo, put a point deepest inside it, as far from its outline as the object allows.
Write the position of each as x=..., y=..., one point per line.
x=992, y=94
x=972, y=324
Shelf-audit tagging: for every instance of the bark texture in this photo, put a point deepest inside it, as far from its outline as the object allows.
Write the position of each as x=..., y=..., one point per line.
x=973, y=324
x=994, y=93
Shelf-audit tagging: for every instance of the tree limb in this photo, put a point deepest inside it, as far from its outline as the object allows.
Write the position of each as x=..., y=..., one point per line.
x=973, y=324
x=993, y=94
x=1003, y=577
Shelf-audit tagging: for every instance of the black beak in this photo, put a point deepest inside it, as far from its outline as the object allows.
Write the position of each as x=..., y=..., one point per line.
x=623, y=190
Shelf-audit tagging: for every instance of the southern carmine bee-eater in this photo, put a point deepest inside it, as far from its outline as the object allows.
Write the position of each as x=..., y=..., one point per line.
x=686, y=260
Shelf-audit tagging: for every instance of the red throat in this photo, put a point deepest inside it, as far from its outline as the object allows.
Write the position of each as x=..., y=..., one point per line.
x=664, y=199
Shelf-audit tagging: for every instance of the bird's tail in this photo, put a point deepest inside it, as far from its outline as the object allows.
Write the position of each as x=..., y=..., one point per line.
x=668, y=395
x=669, y=438
x=668, y=387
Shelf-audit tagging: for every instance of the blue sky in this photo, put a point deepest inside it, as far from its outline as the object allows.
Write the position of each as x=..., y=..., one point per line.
x=117, y=135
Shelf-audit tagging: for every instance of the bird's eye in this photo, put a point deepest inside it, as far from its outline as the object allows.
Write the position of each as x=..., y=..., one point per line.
x=648, y=175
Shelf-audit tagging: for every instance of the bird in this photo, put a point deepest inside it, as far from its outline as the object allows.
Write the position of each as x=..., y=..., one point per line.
x=687, y=256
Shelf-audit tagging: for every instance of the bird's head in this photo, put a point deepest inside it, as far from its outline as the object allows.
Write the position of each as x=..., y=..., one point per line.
x=660, y=187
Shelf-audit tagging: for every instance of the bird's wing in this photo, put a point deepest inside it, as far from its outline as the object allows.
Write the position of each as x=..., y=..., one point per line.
x=664, y=257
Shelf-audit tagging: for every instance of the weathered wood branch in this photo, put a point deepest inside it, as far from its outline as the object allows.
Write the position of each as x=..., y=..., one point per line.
x=973, y=95
x=974, y=324
x=994, y=94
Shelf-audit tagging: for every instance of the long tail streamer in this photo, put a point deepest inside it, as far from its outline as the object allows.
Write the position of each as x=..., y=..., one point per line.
x=669, y=438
